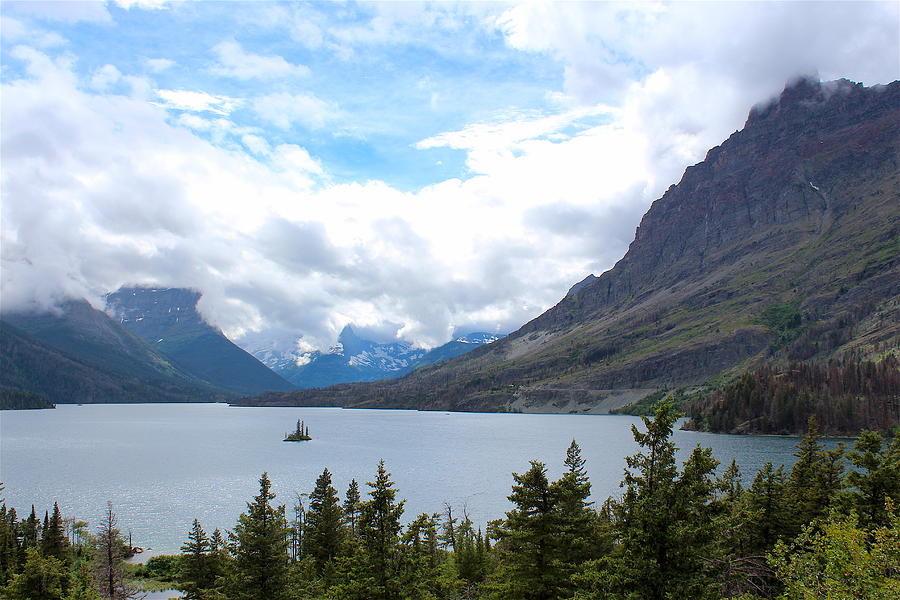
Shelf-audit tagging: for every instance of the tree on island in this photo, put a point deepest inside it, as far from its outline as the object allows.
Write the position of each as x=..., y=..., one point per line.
x=301, y=434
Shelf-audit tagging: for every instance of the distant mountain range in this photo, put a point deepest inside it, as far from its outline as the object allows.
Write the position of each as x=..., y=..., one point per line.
x=157, y=348
x=782, y=245
x=355, y=359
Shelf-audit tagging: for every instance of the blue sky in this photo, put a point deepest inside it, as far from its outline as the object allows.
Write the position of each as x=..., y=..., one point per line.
x=413, y=168
x=379, y=92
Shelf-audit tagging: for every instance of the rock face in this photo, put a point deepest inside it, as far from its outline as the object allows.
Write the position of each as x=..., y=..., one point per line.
x=800, y=208
x=168, y=320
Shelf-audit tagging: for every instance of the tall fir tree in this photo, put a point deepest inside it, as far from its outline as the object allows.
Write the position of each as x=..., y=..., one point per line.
x=875, y=478
x=260, y=547
x=324, y=534
x=576, y=522
x=814, y=481
x=379, y=525
x=196, y=574
x=9, y=547
x=527, y=551
x=663, y=523
x=351, y=507
x=54, y=541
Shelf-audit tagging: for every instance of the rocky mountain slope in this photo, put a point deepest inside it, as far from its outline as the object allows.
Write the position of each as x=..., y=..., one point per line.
x=168, y=320
x=796, y=215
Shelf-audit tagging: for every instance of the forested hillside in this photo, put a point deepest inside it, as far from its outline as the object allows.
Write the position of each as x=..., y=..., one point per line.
x=81, y=355
x=845, y=396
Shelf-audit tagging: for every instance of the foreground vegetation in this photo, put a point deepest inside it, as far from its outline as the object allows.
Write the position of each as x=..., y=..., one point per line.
x=814, y=531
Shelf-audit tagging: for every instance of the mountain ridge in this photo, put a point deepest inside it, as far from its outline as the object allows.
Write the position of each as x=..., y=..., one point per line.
x=798, y=206
x=168, y=320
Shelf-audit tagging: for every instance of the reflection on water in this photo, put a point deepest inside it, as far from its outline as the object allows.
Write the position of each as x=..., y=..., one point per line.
x=162, y=465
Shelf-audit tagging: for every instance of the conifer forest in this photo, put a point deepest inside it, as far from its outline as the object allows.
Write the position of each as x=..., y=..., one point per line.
x=828, y=528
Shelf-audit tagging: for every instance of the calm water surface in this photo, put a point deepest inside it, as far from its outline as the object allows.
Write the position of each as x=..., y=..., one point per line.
x=162, y=465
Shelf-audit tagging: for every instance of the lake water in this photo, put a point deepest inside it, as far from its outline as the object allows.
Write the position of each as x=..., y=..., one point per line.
x=162, y=465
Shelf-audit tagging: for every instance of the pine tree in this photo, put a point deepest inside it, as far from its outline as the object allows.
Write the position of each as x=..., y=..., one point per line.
x=9, y=548
x=54, y=542
x=323, y=537
x=195, y=575
x=768, y=515
x=528, y=566
x=260, y=546
x=575, y=521
x=876, y=478
x=42, y=578
x=31, y=531
x=663, y=523
x=814, y=481
x=351, y=507
x=379, y=526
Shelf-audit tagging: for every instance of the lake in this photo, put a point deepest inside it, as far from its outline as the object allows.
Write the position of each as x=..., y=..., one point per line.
x=162, y=465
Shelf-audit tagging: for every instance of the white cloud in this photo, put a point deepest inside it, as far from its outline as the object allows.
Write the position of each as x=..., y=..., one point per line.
x=197, y=101
x=158, y=65
x=234, y=62
x=284, y=110
x=15, y=31
x=145, y=4
x=71, y=11
x=104, y=77
x=101, y=190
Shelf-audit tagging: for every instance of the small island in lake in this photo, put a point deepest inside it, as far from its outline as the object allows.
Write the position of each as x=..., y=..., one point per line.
x=301, y=434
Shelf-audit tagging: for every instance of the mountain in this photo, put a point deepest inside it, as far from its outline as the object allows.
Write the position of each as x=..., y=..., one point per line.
x=167, y=319
x=78, y=354
x=782, y=244
x=354, y=359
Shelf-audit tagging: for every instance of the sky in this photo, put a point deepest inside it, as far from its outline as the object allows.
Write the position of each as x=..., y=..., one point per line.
x=414, y=169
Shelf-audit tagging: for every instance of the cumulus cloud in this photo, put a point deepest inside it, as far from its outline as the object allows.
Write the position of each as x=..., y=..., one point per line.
x=102, y=189
x=284, y=109
x=197, y=101
x=235, y=62
x=15, y=31
x=158, y=65
x=72, y=11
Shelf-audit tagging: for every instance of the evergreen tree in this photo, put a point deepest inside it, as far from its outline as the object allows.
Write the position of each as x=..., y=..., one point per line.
x=528, y=567
x=379, y=526
x=54, y=541
x=814, y=481
x=575, y=521
x=31, y=531
x=260, y=546
x=42, y=578
x=876, y=477
x=324, y=535
x=767, y=511
x=663, y=523
x=109, y=556
x=421, y=575
x=352, y=506
x=196, y=575
x=81, y=584
x=9, y=547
